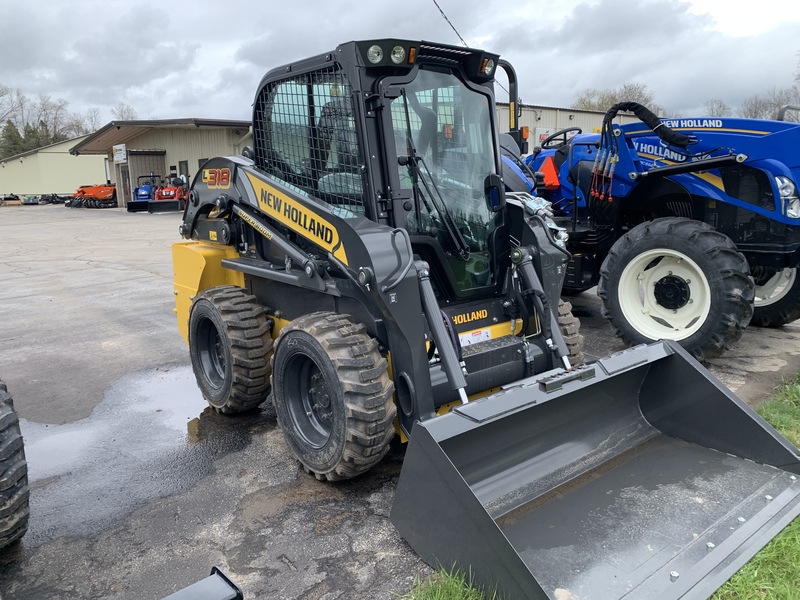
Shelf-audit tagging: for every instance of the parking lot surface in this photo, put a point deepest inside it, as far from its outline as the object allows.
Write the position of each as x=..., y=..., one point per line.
x=137, y=487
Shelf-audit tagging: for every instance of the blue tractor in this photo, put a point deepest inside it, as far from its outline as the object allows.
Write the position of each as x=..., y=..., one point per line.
x=689, y=227
x=144, y=192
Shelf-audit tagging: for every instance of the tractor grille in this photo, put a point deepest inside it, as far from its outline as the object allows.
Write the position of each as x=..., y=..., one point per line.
x=305, y=135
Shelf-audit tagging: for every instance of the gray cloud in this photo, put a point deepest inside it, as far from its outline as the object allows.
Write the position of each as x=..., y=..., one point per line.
x=188, y=59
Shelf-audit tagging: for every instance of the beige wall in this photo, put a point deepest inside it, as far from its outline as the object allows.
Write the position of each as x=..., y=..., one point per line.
x=543, y=121
x=191, y=144
x=50, y=170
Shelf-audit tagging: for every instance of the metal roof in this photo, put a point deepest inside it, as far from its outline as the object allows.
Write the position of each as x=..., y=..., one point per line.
x=121, y=132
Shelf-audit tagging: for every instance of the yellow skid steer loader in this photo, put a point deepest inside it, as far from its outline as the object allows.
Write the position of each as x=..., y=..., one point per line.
x=363, y=266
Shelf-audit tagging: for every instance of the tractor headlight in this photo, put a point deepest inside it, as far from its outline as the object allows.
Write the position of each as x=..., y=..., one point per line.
x=788, y=193
x=375, y=54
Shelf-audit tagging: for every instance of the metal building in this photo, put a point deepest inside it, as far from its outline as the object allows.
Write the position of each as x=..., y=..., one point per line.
x=50, y=170
x=543, y=121
x=163, y=148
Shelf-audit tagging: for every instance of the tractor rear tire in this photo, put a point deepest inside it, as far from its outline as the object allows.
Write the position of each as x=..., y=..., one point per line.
x=570, y=327
x=230, y=345
x=14, y=491
x=332, y=395
x=777, y=298
x=678, y=279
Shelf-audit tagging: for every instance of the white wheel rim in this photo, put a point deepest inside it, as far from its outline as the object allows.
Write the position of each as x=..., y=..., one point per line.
x=638, y=300
x=775, y=288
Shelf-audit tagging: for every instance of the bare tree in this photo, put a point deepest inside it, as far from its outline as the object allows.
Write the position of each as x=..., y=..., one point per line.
x=74, y=125
x=714, y=107
x=6, y=103
x=124, y=112
x=766, y=106
x=602, y=100
x=92, y=118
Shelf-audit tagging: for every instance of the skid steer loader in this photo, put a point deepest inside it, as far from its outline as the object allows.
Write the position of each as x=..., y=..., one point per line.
x=363, y=265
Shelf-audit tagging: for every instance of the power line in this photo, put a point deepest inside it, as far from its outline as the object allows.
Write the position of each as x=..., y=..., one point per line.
x=449, y=23
x=462, y=39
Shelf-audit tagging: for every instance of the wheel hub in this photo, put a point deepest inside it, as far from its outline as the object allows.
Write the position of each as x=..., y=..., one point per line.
x=672, y=292
x=320, y=398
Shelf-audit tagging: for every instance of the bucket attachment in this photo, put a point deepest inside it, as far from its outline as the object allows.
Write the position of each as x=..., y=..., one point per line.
x=639, y=476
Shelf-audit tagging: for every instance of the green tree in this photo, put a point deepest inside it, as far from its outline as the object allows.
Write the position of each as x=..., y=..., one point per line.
x=11, y=141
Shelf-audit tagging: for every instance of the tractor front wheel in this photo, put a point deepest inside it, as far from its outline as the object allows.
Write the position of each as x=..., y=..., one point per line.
x=677, y=279
x=777, y=297
x=230, y=345
x=332, y=395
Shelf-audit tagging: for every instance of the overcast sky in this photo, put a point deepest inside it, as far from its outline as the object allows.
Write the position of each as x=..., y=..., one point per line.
x=202, y=59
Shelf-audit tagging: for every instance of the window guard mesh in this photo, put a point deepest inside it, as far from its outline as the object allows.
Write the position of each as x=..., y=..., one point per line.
x=305, y=136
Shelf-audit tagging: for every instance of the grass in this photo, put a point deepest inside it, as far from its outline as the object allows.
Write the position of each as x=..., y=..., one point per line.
x=773, y=574
x=444, y=585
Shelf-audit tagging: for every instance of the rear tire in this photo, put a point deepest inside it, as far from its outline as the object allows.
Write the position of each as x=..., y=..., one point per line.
x=332, y=395
x=777, y=298
x=14, y=491
x=230, y=344
x=678, y=279
x=570, y=327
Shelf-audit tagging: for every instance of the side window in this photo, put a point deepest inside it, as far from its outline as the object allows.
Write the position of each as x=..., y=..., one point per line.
x=305, y=134
x=338, y=154
x=288, y=153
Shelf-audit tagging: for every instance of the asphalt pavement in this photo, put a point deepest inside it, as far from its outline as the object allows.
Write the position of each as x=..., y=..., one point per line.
x=137, y=487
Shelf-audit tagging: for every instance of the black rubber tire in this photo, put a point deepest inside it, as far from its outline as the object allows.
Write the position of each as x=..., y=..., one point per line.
x=724, y=269
x=332, y=395
x=782, y=311
x=14, y=491
x=230, y=344
x=570, y=327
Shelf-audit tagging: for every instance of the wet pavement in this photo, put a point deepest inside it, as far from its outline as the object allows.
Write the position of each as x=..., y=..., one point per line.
x=137, y=487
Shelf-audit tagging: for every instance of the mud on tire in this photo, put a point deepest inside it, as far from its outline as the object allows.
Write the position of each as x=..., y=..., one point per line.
x=14, y=491
x=332, y=395
x=230, y=345
x=676, y=278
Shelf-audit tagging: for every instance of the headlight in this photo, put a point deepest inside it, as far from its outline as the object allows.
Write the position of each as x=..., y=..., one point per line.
x=398, y=54
x=375, y=54
x=788, y=193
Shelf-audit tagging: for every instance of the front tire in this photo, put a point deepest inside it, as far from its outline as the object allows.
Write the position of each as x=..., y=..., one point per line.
x=332, y=395
x=677, y=279
x=777, y=297
x=230, y=345
x=14, y=491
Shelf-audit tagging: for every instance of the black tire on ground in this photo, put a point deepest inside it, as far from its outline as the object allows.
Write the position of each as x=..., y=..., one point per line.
x=230, y=345
x=570, y=327
x=332, y=395
x=14, y=491
x=777, y=297
x=679, y=279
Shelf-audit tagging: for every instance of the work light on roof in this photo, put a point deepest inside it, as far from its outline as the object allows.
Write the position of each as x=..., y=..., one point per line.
x=398, y=54
x=375, y=54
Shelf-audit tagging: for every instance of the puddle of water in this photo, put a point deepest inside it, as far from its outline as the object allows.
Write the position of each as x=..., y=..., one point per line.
x=152, y=436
